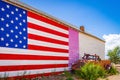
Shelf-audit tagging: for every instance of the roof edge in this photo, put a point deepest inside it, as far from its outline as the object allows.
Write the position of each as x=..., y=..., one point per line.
x=92, y=36
x=39, y=12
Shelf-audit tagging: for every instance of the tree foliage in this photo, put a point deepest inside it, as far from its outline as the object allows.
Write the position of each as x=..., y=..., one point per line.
x=114, y=55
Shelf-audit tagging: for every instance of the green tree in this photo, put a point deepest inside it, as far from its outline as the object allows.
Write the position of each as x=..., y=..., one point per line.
x=114, y=55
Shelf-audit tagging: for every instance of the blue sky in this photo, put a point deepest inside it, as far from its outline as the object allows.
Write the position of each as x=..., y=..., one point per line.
x=100, y=17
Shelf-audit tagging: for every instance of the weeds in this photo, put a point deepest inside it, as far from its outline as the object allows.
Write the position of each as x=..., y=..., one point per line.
x=90, y=71
x=68, y=75
x=112, y=71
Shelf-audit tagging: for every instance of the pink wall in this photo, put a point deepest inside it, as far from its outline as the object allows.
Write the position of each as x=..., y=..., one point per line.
x=73, y=46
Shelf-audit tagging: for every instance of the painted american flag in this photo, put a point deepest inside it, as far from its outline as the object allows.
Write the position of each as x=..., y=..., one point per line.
x=31, y=43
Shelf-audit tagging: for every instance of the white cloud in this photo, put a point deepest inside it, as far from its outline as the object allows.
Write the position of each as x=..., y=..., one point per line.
x=112, y=40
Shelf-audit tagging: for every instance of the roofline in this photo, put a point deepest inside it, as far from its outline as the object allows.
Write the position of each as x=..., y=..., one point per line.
x=92, y=36
x=39, y=12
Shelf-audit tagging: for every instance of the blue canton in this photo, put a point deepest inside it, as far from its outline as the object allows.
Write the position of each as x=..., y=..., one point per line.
x=13, y=26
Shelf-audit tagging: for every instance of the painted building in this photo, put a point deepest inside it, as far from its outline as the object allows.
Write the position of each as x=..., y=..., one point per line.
x=33, y=42
x=90, y=44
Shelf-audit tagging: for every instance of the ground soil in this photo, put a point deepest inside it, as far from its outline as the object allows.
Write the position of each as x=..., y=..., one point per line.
x=114, y=77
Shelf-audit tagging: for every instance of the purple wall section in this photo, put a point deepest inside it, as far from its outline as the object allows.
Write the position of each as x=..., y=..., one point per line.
x=73, y=46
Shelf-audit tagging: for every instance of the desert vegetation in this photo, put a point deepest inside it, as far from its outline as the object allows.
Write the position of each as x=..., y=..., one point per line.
x=89, y=71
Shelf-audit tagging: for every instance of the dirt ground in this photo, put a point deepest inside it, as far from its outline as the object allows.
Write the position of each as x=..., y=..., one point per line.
x=115, y=77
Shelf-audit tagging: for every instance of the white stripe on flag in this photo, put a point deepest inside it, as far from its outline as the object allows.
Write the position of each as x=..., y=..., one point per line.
x=47, y=44
x=45, y=34
x=30, y=72
x=31, y=62
x=38, y=22
x=31, y=52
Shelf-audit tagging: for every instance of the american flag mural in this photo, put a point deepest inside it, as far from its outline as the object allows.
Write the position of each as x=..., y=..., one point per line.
x=31, y=43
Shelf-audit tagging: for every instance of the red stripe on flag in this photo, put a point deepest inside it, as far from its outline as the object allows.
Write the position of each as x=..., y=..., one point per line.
x=30, y=67
x=41, y=28
x=42, y=48
x=29, y=57
x=42, y=38
x=44, y=19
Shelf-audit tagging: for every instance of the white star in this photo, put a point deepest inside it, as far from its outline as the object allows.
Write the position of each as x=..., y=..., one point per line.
x=16, y=36
x=2, y=19
x=24, y=12
x=7, y=35
x=20, y=24
x=7, y=44
x=24, y=46
x=12, y=21
x=16, y=27
x=16, y=45
x=16, y=9
x=7, y=25
x=24, y=20
x=16, y=18
x=7, y=15
x=2, y=9
x=24, y=37
x=24, y=29
x=8, y=6
x=2, y=39
x=20, y=15
x=20, y=32
x=20, y=41
x=2, y=29
x=11, y=31
x=12, y=12
x=11, y=40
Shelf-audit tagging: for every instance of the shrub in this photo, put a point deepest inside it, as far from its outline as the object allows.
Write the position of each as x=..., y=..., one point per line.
x=68, y=75
x=69, y=78
x=112, y=71
x=90, y=71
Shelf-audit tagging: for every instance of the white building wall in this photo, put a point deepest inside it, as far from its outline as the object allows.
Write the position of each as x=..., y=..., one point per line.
x=91, y=45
